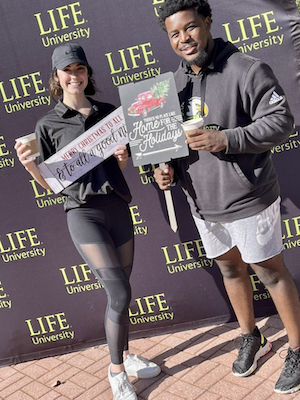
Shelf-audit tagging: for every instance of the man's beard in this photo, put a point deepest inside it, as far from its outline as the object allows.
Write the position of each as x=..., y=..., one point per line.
x=200, y=60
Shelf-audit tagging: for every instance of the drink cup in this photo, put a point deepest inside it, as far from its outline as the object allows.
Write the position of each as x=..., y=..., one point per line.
x=192, y=124
x=31, y=143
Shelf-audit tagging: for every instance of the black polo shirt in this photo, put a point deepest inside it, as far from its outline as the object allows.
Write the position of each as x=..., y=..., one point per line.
x=58, y=128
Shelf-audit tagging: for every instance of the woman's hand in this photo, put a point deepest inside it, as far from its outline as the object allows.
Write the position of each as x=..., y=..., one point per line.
x=121, y=155
x=30, y=165
x=22, y=153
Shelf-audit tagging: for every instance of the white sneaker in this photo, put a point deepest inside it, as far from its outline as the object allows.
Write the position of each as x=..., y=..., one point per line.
x=140, y=367
x=121, y=387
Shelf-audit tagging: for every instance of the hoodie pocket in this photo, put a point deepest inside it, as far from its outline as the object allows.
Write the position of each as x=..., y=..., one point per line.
x=241, y=176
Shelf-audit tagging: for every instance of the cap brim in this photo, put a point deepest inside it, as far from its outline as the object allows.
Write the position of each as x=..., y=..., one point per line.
x=64, y=63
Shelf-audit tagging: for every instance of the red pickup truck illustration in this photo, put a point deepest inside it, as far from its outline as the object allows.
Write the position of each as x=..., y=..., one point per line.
x=144, y=103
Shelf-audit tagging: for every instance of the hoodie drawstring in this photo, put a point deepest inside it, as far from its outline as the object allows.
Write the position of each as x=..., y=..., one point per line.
x=189, y=94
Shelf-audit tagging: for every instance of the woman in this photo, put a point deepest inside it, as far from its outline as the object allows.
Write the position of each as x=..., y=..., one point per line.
x=97, y=209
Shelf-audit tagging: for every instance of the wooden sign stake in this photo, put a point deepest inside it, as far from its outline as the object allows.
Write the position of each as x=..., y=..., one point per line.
x=170, y=205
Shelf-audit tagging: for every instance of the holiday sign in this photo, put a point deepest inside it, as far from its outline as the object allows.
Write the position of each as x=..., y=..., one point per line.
x=153, y=119
x=85, y=152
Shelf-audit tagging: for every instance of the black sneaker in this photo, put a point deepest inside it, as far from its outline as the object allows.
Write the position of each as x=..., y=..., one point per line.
x=252, y=347
x=289, y=380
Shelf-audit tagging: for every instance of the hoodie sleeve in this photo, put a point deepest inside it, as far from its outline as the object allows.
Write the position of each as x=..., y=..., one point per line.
x=265, y=103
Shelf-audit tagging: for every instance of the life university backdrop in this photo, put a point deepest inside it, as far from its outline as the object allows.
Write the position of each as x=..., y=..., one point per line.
x=49, y=301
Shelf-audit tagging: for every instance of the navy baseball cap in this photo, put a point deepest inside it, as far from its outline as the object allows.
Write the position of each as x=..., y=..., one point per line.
x=67, y=54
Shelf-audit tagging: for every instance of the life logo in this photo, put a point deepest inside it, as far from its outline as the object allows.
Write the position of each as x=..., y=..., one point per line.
x=44, y=197
x=79, y=279
x=259, y=290
x=49, y=329
x=62, y=24
x=293, y=143
x=291, y=233
x=138, y=222
x=156, y=4
x=254, y=32
x=20, y=245
x=4, y=301
x=5, y=160
x=23, y=92
x=146, y=174
x=186, y=256
x=124, y=64
x=150, y=309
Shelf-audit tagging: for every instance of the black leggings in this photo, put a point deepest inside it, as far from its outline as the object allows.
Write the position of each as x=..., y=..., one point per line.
x=103, y=235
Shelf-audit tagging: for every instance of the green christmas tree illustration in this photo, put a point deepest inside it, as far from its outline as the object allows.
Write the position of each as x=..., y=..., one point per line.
x=161, y=89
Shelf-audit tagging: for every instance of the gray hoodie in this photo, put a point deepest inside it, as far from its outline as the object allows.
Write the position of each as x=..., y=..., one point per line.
x=239, y=95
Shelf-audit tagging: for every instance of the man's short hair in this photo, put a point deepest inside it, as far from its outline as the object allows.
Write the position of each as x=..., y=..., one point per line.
x=171, y=7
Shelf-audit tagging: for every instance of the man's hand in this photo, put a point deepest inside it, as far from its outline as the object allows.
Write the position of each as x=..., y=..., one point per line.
x=207, y=140
x=164, y=177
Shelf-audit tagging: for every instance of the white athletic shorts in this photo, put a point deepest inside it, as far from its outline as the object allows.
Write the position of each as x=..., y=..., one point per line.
x=258, y=238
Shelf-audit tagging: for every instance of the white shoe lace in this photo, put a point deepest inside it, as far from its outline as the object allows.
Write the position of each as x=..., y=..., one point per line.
x=125, y=387
x=141, y=361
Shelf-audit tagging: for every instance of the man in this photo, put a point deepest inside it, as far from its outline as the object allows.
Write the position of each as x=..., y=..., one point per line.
x=228, y=177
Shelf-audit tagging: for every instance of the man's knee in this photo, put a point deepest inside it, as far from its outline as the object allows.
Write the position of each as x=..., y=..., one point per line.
x=268, y=278
x=270, y=272
x=231, y=264
x=231, y=270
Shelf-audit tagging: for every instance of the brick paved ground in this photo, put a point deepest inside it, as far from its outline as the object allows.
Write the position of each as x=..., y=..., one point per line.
x=196, y=364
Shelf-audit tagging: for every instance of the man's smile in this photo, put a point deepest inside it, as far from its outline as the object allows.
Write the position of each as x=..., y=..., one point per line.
x=189, y=48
